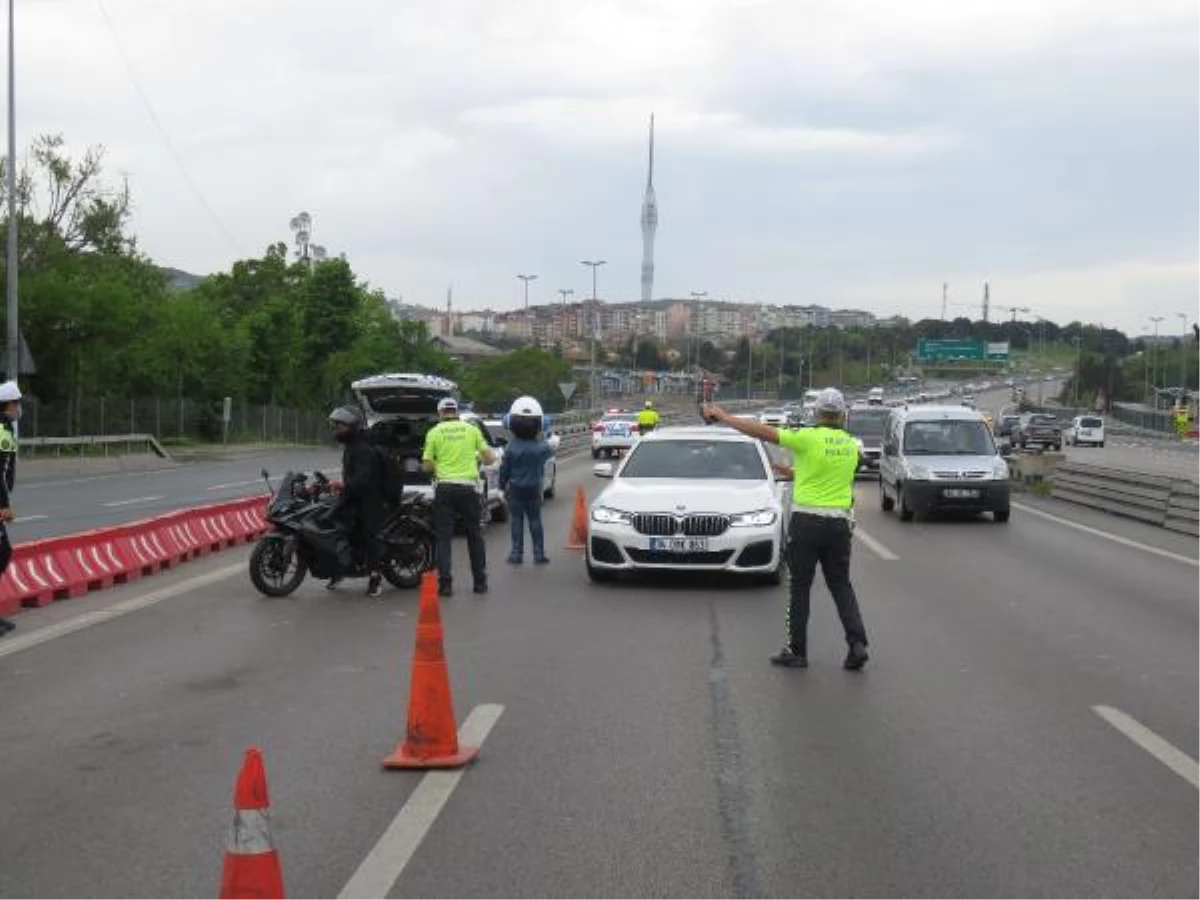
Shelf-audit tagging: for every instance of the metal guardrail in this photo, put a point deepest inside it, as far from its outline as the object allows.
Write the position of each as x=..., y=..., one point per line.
x=81, y=444
x=1171, y=503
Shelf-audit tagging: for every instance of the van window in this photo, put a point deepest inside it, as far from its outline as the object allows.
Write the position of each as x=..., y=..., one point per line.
x=1091, y=422
x=948, y=437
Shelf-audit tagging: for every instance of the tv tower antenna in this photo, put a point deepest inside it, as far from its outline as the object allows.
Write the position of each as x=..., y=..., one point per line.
x=987, y=299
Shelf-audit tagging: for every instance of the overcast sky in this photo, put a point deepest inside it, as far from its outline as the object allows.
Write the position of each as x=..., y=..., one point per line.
x=842, y=152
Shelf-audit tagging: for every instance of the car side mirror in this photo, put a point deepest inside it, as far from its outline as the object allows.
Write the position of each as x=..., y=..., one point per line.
x=603, y=470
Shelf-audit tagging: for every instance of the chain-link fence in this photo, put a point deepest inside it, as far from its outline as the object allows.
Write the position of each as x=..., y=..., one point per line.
x=173, y=420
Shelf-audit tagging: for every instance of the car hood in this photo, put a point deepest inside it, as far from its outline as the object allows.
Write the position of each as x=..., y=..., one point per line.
x=955, y=463
x=678, y=495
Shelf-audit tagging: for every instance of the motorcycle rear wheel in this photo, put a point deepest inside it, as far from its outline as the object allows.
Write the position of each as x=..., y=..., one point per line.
x=404, y=566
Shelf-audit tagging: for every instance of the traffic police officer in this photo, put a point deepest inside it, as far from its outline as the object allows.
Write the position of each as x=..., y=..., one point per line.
x=648, y=418
x=825, y=460
x=453, y=451
x=10, y=411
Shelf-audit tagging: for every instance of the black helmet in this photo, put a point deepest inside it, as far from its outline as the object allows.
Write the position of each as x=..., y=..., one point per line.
x=346, y=415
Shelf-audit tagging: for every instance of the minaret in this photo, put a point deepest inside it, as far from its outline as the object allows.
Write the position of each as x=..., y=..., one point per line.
x=649, y=226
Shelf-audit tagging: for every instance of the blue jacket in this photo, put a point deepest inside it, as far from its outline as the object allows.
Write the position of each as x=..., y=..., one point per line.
x=524, y=463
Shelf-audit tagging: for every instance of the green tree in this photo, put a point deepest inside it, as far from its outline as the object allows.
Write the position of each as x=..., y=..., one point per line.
x=494, y=383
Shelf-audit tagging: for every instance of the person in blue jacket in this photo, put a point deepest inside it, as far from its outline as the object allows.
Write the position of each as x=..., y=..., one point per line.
x=521, y=474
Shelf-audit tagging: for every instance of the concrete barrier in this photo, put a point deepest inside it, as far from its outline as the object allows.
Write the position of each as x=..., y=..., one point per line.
x=1172, y=503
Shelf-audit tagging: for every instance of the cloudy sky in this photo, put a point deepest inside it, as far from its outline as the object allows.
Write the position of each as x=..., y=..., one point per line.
x=845, y=152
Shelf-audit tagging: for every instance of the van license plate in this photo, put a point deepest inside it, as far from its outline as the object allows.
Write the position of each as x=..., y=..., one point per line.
x=678, y=545
x=960, y=494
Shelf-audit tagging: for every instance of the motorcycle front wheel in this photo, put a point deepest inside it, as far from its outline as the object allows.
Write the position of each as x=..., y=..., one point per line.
x=274, y=571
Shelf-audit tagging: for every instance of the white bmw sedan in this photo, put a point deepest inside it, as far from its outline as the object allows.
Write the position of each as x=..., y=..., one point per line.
x=692, y=498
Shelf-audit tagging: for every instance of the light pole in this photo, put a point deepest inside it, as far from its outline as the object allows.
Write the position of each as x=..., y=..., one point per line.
x=594, y=264
x=687, y=332
x=1078, y=341
x=1154, y=368
x=1183, y=354
x=565, y=293
x=13, y=362
x=527, y=279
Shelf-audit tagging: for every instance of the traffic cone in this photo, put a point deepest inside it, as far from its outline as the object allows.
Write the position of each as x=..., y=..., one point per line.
x=251, y=867
x=577, y=536
x=432, y=739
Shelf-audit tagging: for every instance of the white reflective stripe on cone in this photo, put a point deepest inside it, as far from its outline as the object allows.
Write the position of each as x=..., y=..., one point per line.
x=251, y=832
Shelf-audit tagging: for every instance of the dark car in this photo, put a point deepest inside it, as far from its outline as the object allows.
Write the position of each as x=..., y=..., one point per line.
x=867, y=424
x=1006, y=423
x=1041, y=429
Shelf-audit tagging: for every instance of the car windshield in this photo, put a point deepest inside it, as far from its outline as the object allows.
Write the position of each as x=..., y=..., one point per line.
x=1041, y=419
x=1091, y=423
x=696, y=459
x=866, y=424
x=948, y=437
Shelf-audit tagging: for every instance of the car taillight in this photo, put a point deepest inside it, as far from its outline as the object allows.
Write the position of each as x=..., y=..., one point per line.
x=596, y=426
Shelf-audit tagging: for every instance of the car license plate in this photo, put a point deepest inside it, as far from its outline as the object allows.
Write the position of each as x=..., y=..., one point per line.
x=678, y=545
x=961, y=494
x=618, y=430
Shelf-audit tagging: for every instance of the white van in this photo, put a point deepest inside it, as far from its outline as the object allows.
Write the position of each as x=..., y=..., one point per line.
x=938, y=458
x=1085, y=430
x=875, y=396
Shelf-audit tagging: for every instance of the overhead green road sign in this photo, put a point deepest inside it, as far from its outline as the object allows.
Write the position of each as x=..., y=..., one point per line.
x=929, y=349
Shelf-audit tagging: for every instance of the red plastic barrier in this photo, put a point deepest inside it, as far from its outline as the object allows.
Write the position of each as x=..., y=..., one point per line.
x=70, y=566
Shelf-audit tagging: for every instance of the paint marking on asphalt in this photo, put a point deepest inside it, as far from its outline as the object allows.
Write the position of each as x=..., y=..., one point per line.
x=381, y=869
x=1174, y=759
x=11, y=645
x=1115, y=538
x=233, y=484
x=877, y=548
x=135, y=500
x=23, y=519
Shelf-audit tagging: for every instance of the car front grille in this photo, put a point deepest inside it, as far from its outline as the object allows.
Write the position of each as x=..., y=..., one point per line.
x=666, y=525
x=960, y=476
x=695, y=558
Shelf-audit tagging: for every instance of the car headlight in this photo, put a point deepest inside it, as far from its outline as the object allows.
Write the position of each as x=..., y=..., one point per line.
x=611, y=516
x=919, y=473
x=757, y=519
x=1000, y=470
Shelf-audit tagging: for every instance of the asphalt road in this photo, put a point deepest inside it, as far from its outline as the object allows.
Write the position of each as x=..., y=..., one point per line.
x=645, y=747
x=50, y=504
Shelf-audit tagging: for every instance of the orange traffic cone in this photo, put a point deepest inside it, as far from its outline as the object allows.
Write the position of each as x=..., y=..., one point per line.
x=577, y=536
x=251, y=867
x=432, y=739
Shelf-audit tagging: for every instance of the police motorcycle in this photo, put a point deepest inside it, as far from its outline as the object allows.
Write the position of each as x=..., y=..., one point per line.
x=306, y=538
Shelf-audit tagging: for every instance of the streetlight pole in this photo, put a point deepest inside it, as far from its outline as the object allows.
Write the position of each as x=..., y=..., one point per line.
x=527, y=279
x=1154, y=368
x=1183, y=354
x=687, y=332
x=13, y=364
x=565, y=293
x=594, y=264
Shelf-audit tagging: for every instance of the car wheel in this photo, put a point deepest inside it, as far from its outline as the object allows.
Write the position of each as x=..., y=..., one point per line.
x=1001, y=515
x=1101, y=444
x=886, y=503
x=906, y=513
x=599, y=575
x=595, y=453
x=548, y=493
x=499, y=512
x=1058, y=448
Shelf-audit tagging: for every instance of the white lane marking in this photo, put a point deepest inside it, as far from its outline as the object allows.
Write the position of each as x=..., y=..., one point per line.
x=877, y=548
x=23, y=519
x=134, y=500
x=381, y=869
x=233, y=484
x=11, y=645
x=1115, y=538
x=1175, y=760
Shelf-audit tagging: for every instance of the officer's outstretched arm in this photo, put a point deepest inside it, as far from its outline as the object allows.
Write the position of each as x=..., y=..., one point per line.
x=751, y=427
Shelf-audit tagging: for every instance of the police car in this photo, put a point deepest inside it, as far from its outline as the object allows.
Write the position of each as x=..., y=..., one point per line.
x=615, y=431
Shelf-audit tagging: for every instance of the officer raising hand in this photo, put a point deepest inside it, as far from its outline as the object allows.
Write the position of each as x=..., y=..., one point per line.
x=825, y=459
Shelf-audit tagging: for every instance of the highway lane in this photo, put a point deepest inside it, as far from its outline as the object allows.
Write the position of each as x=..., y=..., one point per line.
x=645, y=748
x=48, y=505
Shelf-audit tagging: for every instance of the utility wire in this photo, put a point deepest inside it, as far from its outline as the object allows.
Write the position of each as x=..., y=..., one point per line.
x=137, y=85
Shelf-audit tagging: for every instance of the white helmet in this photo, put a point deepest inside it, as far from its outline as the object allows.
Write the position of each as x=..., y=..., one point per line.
x=526, y=406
